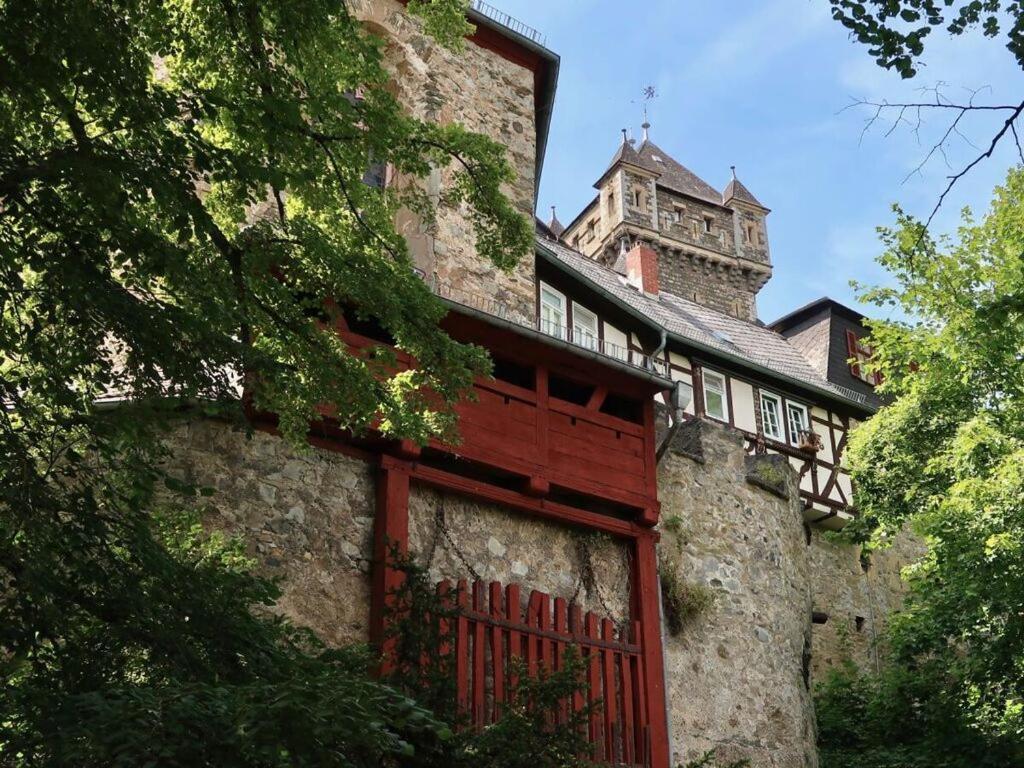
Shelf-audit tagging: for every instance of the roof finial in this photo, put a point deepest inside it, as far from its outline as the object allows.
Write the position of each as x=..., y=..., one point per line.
x=553, y=212
x=623, y=135
x=733, y=169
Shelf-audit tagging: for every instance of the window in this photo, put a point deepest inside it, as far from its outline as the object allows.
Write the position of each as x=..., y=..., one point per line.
x=796, y=414
x=638, y=198
x=861, y=353
x=771, y=416
x=611, y=202
x=677, y=214
x=709, y=224
x=716, y=404
x=584, y=326
x=590, y=229
x=552, y=311
x=748, y=234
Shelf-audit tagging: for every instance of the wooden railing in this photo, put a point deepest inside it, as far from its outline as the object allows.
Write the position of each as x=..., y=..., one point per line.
x=493, y=630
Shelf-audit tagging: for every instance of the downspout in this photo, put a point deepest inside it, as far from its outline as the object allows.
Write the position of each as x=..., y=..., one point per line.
x=679, y=403
x=659, y=350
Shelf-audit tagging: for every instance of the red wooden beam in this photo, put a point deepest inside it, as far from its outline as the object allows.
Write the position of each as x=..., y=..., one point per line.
x=439, y=478
x=647, y=610
x=390, y=529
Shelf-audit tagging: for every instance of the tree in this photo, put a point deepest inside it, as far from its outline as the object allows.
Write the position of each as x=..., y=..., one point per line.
x=181, y=189
x=946, y=457
x=896, y=32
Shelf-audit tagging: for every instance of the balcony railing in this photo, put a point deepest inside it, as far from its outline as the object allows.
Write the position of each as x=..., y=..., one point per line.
x=586, y=341
x=510, y=22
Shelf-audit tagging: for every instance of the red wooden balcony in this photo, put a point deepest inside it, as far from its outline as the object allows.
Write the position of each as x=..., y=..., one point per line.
x=553, y=421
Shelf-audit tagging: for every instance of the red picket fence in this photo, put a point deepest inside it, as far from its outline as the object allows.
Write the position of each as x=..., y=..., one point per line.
x=492, y=630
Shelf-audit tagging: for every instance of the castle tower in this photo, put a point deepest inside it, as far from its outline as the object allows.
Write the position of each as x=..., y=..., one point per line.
x=712, y=247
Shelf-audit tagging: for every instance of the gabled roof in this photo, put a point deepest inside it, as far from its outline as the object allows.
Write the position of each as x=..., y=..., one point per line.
x=674, y=176
x=737, y=341
x=816, y=307
x=737, y=191
x=669, y=173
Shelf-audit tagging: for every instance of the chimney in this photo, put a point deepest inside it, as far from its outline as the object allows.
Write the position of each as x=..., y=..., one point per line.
x=642, y=268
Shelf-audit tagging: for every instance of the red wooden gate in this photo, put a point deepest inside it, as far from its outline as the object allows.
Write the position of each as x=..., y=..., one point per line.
x=492, y=630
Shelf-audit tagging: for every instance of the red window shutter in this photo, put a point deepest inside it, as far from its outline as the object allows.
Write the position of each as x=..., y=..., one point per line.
x=851, y=349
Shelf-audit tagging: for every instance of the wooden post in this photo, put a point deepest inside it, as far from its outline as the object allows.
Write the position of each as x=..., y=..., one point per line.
x=648, y=611
x=390, y=529
x=543, y=417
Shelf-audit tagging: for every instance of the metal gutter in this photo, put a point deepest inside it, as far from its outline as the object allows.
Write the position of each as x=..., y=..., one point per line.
x=737, y=360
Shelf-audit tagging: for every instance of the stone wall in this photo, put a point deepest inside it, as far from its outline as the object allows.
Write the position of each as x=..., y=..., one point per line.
x=756, y=248
x=509, y=546
x=715, y=284
x=854, y=599
x=736, y=673
x=486, y=93
x=306, y=516
x=690, y=227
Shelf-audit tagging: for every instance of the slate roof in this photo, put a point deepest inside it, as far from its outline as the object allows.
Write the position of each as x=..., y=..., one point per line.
x=674, y=176
x=554, y=224
x=623, y=154
x=737, y=190
x=735, y=338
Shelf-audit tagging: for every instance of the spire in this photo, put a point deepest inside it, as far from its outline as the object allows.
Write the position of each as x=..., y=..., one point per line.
x=736, y=191
x=555, y=225
x=646, y=124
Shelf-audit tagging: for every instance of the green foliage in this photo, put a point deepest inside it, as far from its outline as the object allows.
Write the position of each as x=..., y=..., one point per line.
x=188, y=675
x=896, y=30
x=182, y=189
x=906, y=717
x=708, y=760
x=681, y=600
x=947, y=459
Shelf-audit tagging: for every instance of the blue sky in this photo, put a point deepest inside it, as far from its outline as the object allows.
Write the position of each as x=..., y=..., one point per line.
x=763, y=85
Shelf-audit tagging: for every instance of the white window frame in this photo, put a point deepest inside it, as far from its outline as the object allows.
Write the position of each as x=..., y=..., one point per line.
x=779, y=433
x=585, y=337
x=549, y=325
x=794, y=434
x=705, y=375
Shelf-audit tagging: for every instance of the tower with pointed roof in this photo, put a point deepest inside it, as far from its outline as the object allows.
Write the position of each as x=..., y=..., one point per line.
x=712, y=246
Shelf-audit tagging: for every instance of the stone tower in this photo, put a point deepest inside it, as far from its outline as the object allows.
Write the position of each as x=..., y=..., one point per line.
x=712, y=247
